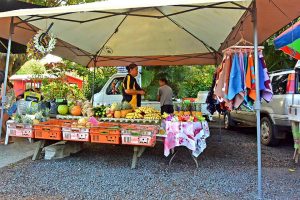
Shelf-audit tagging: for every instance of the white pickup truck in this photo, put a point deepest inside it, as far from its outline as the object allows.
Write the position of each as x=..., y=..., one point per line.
x=106, y=96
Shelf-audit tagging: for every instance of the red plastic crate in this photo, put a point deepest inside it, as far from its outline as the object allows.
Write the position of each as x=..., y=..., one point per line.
x=105, y=135
x=50, y=130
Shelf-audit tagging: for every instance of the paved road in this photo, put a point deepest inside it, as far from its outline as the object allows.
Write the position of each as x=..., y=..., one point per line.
x=227, y=171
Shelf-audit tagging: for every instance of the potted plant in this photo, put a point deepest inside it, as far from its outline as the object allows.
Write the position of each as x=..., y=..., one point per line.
x=126, y=108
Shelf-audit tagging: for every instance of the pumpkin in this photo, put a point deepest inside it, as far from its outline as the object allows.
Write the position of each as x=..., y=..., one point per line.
x=76, y=111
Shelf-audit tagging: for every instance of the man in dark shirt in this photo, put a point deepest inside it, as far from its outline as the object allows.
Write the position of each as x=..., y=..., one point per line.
x=164, y=95
x=131, y=90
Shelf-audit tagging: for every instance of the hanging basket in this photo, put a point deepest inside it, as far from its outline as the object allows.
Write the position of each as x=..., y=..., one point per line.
x=40, y=45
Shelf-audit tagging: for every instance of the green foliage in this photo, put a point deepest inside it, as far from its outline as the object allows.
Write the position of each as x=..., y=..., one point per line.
x=53, y=3
x=186, y=81
x=276, y=59
x=32, y=67
x=101, y=77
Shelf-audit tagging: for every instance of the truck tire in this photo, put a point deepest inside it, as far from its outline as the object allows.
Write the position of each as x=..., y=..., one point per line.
x=228, y=124
x=268, y=132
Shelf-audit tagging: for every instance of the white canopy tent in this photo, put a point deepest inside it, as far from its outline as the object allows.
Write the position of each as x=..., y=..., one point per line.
x=170, y=32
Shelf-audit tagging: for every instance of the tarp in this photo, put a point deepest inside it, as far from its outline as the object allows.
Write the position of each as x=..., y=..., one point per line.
x=289, y=41
x=7, y=5
x=171, y=32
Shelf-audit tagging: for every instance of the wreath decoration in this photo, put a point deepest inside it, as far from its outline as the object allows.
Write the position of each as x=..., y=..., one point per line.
x=41, y=44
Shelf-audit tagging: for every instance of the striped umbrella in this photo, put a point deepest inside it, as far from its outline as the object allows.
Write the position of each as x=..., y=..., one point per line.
x=289, y=41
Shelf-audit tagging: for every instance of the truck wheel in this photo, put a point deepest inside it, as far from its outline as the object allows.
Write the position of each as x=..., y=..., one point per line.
x=268, y=132
x=228, y=124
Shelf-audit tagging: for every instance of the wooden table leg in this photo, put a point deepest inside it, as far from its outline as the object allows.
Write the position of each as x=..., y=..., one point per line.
x=38, y=149
x=135, y=156
x=141, y=151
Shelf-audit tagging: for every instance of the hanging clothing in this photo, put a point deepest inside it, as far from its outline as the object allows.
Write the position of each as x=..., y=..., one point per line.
x=250, y=79
x=235, y=90
x=236, y=83
x=220, y=80
x=265, y=83
x=227, y=69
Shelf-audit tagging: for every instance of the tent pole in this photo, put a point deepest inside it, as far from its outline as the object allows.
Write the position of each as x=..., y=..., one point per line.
x=257, y=105
x=6, y=73
x=94, y=76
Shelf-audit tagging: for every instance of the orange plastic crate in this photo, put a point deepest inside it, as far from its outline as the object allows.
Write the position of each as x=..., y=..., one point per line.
x=50, y=130
x=105, y=135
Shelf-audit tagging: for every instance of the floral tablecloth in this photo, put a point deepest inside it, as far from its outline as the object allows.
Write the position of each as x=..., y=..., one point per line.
x=189, y=134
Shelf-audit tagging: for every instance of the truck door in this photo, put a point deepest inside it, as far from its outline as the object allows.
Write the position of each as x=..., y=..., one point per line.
x=282, y=98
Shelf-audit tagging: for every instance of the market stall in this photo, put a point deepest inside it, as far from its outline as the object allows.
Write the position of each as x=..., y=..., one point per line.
x=117, y=124
x=169, y=32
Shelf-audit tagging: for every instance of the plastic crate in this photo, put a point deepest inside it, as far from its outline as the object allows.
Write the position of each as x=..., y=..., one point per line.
x=20, y=130
x=51, y=130
x=76, y=136
x=108, y=135
x=143, y=135
x=142, y=140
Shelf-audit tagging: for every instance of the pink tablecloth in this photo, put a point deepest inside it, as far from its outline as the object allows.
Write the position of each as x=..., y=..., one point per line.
x=189, y=134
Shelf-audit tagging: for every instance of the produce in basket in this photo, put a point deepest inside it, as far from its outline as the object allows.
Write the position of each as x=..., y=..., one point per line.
x=117, y=109
x=126, y=108
x=134, y=116
x=76, y=111
x=100, y=111
x=63, y=109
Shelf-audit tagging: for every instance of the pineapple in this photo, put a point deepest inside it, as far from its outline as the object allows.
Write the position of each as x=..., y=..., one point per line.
x=193, y=109
x=186, y=109
x=117, y=109
x=126, y=108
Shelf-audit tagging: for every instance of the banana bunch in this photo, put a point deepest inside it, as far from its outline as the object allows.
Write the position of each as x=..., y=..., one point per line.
x=146, y=110
x=134, y=116
x=153, y=116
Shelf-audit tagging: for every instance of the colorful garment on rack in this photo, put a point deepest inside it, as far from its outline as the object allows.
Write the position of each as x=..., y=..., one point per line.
x=250, y=79
x=235, y=91
x=290, y=87
x=264, y=79
x=220, y=80
x=227, y=69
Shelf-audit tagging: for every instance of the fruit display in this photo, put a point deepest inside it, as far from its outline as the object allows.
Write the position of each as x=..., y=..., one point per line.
x=100, y=111
x=184, y=118
x=117, y=110
x=126, y=108
x=87, y=109
x=63, y=109
x=81, y=123
x=134, y=115
x=75, y=110
x=144, y=113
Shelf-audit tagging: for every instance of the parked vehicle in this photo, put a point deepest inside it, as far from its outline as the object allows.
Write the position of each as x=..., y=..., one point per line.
x=275, y=123
x=112, y=92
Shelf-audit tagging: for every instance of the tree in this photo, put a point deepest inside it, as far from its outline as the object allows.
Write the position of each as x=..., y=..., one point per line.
x=186, y=81
x=54, y=3
x=16, y=61
x=32, y=67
